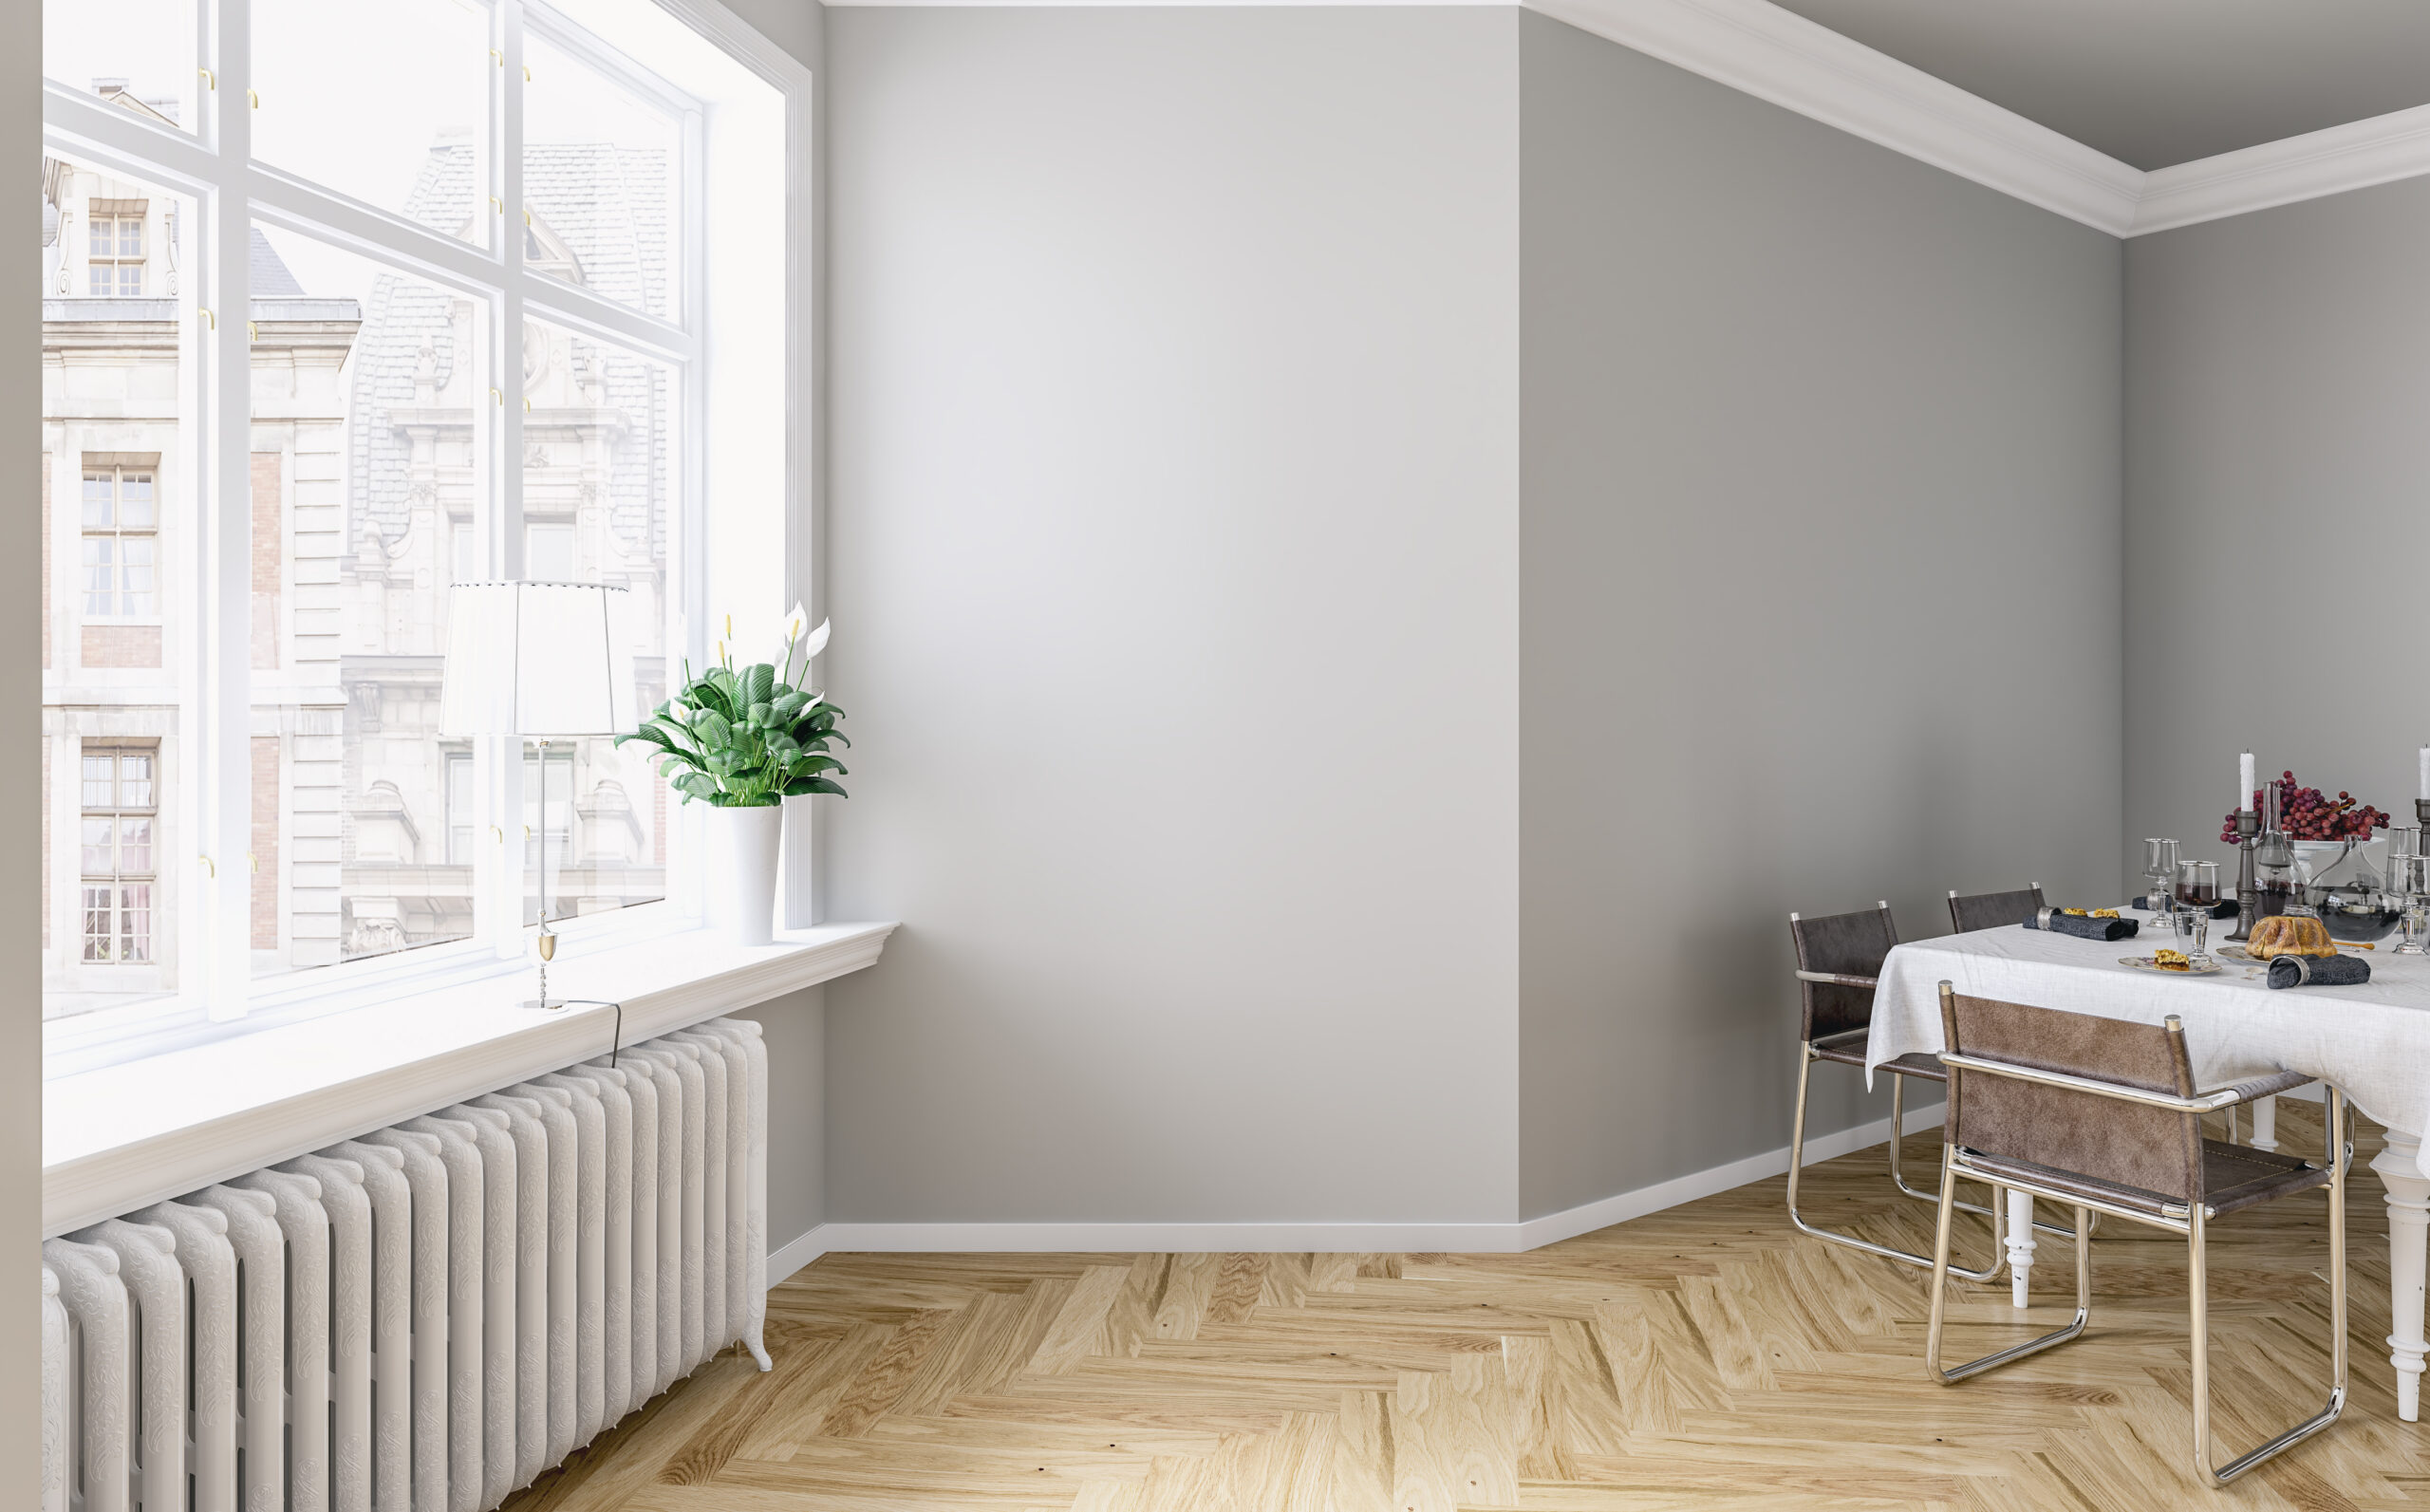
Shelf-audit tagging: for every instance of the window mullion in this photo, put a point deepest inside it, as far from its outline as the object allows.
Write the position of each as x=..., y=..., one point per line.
x=503, y=907
x=220, y=717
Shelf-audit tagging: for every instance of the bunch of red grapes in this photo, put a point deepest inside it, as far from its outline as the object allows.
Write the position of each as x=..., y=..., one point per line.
x=2304, y=814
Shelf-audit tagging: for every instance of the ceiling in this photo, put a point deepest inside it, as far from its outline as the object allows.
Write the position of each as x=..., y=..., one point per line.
x=2157, y=82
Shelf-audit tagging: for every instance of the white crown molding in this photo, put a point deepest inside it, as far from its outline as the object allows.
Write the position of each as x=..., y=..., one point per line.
x=2330, y=162
x=1758, y=49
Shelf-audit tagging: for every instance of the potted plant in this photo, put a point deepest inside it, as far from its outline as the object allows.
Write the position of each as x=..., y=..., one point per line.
x=742, y=741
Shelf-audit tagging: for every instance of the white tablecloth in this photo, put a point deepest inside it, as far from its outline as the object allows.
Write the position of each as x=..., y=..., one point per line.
x=2372, y=1039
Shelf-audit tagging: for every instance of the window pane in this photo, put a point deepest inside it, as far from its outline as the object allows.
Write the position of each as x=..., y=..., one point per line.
x=386, y=101
x=122, y=515
x=134, y=576
x=600, y=170
x=98, y=855
x=548, y=554
x=600, y=468
x=135, y=782
x=100, y=574
x=367, y=387
x=135, y=845
x=135, y=500
x=137, y=54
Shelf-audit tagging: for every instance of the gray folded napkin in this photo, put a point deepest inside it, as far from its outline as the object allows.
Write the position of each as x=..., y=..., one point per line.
x=2083, y=926
x=2318, y=971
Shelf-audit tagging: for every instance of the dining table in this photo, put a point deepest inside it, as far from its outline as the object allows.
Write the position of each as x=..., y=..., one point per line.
x=2371, y=1039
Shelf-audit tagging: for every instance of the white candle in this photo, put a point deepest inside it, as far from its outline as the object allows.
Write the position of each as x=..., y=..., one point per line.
x=2244, y=777
x=2425, y=771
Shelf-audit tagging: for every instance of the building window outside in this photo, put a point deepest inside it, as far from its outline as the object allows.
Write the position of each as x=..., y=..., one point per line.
x=120, y=523
x=114, y=250
x=396, y=447
x=120, y=804
x=461, y=813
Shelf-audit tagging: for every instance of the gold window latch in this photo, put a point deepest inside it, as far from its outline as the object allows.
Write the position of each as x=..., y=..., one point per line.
x=208, y=869
x=253, y=97
x=209, y=319
x=210, y=80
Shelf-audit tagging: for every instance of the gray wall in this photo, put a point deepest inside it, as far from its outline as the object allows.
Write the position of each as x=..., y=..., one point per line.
x=795, y=1030
x=1174, y=549
x=21, y=777
x=2278, y=373
x=1819, y=588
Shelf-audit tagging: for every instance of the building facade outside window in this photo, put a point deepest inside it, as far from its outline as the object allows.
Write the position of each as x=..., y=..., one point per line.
x=245, y=609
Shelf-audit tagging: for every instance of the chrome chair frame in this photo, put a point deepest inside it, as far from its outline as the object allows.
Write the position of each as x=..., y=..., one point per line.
x=1807, y=1056
x=2055, y=1230
x=2187, y=1219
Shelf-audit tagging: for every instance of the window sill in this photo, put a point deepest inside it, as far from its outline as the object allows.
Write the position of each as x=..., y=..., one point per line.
x=118, y=1138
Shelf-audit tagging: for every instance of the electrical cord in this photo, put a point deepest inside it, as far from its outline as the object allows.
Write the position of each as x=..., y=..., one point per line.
x=616, y=1044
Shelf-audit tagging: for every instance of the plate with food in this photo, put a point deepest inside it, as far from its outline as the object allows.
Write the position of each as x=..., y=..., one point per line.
x=2173, y=962
x=2285, y=934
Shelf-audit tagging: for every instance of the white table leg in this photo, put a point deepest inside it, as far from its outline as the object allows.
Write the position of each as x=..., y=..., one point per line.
x=2408, y=1193
x=2264, y=1123
x=2020, y=1245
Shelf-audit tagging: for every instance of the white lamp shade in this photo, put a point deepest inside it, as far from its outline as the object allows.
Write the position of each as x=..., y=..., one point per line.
x=535, y=659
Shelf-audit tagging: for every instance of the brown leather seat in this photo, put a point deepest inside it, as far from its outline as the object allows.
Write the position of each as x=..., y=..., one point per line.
x=2233, y=1176
x=1920, y=1064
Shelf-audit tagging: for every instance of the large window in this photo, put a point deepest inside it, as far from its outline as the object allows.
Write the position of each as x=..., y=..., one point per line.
x=409, y=294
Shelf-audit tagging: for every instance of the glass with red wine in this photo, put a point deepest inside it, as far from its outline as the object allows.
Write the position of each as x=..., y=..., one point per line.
x=2198, y=889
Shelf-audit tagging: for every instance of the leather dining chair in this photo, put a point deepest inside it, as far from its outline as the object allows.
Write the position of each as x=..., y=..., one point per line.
x=2102, y=1115
x=1839, y=962
x=1989, y=910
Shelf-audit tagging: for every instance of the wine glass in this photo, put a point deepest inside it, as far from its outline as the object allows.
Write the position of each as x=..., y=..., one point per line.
x=2160, y=869
x=2409, y=879
x=2198, y=889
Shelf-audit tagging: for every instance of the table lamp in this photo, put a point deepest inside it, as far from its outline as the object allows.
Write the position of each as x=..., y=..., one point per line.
x=539, y=661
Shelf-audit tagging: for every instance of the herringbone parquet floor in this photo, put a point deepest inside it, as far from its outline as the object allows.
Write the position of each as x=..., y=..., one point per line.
x=1703, y=1357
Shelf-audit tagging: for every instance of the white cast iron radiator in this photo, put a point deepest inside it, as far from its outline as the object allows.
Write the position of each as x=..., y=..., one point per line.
x=424, y=1318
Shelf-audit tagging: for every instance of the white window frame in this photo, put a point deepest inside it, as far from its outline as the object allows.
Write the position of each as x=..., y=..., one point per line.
x=213, y=166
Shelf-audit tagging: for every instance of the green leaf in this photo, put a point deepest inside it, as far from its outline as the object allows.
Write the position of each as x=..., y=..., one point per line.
x=712, y=730
x=758, y=684
x=788, y=704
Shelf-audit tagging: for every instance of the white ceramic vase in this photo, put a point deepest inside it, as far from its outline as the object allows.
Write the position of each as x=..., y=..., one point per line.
x=743, y=872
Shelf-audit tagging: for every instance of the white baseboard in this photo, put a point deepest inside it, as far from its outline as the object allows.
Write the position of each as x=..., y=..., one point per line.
x=1474, y=1239
x=1586, y=1218
x=788, y=1258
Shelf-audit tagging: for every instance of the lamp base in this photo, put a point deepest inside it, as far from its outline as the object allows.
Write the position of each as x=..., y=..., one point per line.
x=544, y=1004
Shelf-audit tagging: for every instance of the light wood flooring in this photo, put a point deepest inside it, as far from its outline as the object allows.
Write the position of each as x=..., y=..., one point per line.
x=1703, y=1357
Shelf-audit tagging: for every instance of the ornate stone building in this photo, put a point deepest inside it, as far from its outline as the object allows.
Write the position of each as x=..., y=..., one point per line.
x=366, y=483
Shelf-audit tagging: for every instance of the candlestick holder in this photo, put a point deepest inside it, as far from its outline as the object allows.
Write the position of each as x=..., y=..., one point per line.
x=2248, y=886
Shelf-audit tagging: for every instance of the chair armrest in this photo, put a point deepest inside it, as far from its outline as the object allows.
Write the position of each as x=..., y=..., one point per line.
x=2253, y=1089
x=2199, y=1103
x=1834, y=978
